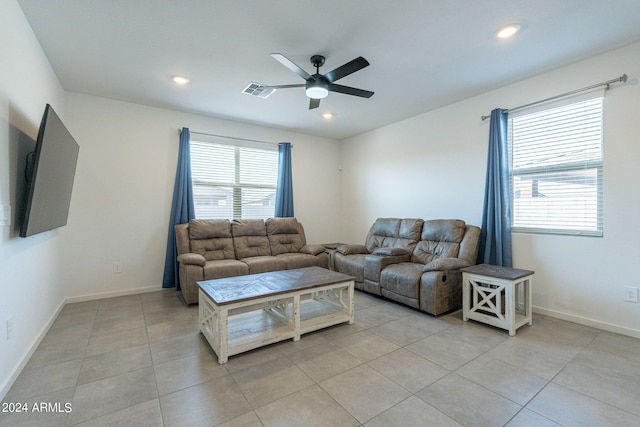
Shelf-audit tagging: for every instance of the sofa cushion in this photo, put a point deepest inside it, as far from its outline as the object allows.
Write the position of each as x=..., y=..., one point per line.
x=211, y=239
x=394, y=232
x=439, y=239
x=298, y=260
x=263, y=264
x=250, y=238
x=352, y=265
x=224, y=268
x=402, y=279
x=284, y=235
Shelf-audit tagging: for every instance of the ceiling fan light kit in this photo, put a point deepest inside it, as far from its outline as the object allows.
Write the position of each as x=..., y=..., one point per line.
x=318, y=86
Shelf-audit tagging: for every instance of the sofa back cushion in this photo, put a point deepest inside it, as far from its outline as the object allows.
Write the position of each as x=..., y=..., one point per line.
x=211, y=239
x=394, y=233
x=285, y=235
x=250, y=238
x=440, y=239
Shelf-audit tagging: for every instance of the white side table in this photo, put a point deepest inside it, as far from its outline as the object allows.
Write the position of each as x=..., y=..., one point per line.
x=497, y=296
x=330, y=250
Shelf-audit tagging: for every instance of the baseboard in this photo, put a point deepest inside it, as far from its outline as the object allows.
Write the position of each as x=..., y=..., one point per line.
x=103, y=295
x=635, y=333
x=27, y=356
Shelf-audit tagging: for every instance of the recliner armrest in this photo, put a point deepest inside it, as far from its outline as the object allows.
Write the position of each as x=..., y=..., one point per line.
x=445, y=264
x=312, y=249
x=352, y=249
x=389, y=251
x=192, y=259
x=374, y=264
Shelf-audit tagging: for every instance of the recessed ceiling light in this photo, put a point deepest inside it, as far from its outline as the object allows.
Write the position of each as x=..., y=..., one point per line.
x=507, y=31
x=181, y=80
x=328, y=115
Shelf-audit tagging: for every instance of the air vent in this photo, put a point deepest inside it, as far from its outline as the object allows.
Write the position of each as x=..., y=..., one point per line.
x=256, y=89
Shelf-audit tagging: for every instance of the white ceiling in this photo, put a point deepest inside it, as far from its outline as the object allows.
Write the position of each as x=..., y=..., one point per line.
x=424, y=54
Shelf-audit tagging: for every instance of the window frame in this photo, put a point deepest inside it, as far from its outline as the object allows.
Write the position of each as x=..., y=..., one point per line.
x=597, y=166
x=237, y=186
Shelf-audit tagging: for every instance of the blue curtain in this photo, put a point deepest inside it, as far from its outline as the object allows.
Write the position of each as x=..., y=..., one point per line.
x=284, y=190
x=495, y=240
x=182, y=210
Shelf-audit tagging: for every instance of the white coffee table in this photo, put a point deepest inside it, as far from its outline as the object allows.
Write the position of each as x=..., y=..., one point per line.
x=242, y=313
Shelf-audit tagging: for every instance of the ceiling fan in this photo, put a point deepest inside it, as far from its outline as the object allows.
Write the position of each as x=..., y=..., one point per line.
x=318, y=85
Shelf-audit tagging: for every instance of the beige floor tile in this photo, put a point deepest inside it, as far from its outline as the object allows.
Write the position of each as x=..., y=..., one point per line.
x=616, y=344
x=117, y=323
x=540, y=361
x=38, y=381
x=455, y=346
x=178, y=348
x=399, y=333
x=364, y=392
x=61, y=405
x=171, y=330
x=612, y=379
x=146, y=414
x=412, y=412
x=182, y=373
x=265, y=383
x=366, y=345
x=250, y=419
x=408, y=370
x=105, y=365
x=116, y=341
x=309, y=407
x=508, y=381
x=527, y=418
x=468, y=403
x=112, y=394
x=324, y=361
x=569, y=408
x=206, y=404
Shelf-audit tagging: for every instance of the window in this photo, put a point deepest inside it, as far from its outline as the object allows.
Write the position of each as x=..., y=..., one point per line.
x=233, y=179
x=556, y=169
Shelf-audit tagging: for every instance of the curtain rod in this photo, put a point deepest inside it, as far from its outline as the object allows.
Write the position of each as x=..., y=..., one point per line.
x=231, y=137
x=621, y=79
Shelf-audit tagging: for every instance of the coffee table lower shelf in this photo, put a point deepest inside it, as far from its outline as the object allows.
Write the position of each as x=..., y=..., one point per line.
x=239, y=327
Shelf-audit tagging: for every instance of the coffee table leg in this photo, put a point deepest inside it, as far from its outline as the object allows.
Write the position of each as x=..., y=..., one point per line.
x=296, y=317
x=351, y=306
x=223, y=325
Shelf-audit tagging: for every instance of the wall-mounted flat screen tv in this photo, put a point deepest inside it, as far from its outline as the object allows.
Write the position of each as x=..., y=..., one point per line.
x=50, y=172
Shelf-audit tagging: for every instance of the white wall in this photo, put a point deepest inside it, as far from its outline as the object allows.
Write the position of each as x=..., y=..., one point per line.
x=30, y=269
x=124, y=185
x=433, y=166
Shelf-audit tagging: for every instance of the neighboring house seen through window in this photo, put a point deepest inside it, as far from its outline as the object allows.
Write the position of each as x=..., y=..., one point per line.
x=233, y=179
x=556, y=169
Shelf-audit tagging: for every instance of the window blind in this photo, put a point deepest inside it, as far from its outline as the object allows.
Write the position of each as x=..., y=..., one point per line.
x=233, y=181
x=556, y=169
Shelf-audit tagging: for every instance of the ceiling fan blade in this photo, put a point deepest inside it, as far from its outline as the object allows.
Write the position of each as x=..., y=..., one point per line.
x=290, y=65
x=344, y=70
x=350, y=90
x=283, y=86
x=313, y=103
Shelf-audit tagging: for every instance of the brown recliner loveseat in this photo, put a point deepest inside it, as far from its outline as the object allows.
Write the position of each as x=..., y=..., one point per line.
x=412, y=261
x=214, y=249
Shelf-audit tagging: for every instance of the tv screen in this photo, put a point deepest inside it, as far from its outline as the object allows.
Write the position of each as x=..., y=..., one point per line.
x=50, y=180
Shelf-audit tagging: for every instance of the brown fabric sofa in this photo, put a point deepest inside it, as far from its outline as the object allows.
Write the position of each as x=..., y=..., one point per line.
x=214, y=249
x=412, y=261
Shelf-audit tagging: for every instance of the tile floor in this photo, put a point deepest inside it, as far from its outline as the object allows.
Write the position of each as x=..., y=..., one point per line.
x=139, y=360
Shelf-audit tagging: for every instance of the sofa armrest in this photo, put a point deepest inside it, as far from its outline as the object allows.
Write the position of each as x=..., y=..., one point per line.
x=445, y=264
x=192, y=259
x=374, y=264
x=312, y=249
x=390, y=251
x=352, y=249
